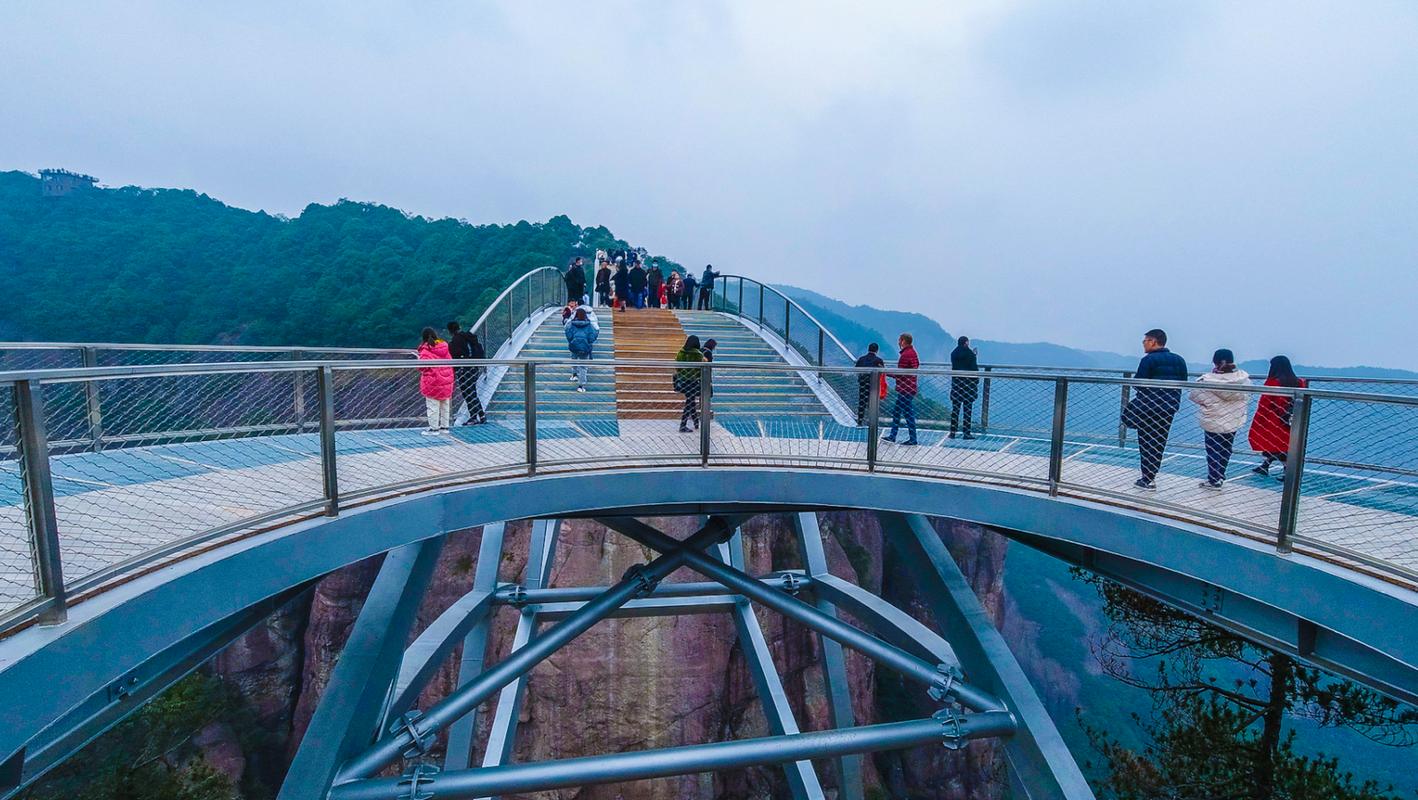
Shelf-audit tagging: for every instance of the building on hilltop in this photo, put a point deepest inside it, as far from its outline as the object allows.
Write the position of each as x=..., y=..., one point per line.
x=59, y=182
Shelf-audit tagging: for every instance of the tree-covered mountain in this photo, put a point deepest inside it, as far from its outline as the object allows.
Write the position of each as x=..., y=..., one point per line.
x=168, y=265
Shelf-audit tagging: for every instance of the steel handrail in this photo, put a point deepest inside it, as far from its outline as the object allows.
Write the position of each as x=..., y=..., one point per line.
x=198, y=348
x=794, y=304
x=994, y=368
x=481, y=323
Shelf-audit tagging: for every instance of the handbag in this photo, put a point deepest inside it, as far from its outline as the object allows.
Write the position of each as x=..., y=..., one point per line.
x=882, y=388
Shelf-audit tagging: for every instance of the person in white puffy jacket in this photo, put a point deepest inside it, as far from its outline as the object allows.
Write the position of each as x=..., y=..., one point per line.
x=1222, y=413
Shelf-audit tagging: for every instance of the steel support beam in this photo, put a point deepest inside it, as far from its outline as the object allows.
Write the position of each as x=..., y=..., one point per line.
x=349, y=712
x=515, y=595
x=106, y=709
x=541, y=549
x=888, y=621
x=620, y=767
x=459, y=753
x=834, y=660
x=1265, y=625
x=427, y=653
x=938, y=680
x=802, y=778
x=1041, y=762
x=416, y=735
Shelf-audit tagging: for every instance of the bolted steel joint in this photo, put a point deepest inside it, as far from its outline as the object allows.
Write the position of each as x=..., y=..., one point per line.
x=792, y=584
x=948, y=676
x=420, y=742
x=516, y=595
x=646, y=583
x=417, y=782
x=952, y=731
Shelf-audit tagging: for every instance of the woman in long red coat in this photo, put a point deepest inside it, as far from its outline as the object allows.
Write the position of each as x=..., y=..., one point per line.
x=1270, y=428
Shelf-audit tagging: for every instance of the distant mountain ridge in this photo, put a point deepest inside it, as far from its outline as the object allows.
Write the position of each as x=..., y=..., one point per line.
x=859, y=325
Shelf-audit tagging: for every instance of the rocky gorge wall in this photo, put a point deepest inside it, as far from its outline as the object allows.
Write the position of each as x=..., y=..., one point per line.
x=632, y=683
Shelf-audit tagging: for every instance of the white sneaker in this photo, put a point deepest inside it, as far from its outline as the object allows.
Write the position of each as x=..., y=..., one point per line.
x=429, y=432
x=581, y=389
x=573, y=377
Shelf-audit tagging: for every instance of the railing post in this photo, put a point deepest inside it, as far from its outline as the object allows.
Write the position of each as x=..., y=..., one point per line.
x=89, y=356
x=1122, y=414
x=821, y=350
x=740, y=311
x=760, y=305
x=787, y=319
x=706, y=407
x=1056, y=435
x=1294, y=473
x=985, y=404
x=873, y=418
x=298, y=394
x=325, y=388
x=39, y=502
x=529, y=414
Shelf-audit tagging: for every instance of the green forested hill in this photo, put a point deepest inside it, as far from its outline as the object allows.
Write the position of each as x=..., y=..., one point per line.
x=168, y=265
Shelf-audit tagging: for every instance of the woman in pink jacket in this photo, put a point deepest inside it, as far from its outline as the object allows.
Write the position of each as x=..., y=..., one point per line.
x=435, y=383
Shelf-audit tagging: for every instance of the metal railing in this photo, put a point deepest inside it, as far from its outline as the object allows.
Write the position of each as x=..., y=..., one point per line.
x=196, y=453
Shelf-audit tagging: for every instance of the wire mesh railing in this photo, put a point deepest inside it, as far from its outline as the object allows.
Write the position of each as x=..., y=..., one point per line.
x=194, y=453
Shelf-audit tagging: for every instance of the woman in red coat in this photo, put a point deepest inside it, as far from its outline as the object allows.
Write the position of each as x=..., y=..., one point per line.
x=1270, y=428
x=435, y=383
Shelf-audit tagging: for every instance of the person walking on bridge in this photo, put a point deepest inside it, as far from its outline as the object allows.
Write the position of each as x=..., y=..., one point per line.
x=963, y=391
x=1270, y=428
x=865, y=384
x=706, y=288
x=580, y=336
x=905, y=392
x=603, y=284
x=621, y=281
x=687, y=382
x=1222, y=413
x=575, y=280
x=638, y=281
x=655, y=281
x=687, y=296
x=465, y=344
x=435, y=383
x=1152, y=407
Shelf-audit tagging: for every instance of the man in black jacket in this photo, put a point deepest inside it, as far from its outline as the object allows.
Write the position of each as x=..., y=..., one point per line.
x=1152, y=407
x=575, y=281
x=865, y=382
x=963, y=390
x=465, y=344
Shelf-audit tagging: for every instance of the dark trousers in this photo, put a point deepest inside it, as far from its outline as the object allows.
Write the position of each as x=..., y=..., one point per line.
x=654, y=298
x=905, y=408
x=1152, y=432
x=1218, y=454
x=863, y=397
x=955, y=416
x=691, y=406
x=706, y=298
x=603, y=297
x=468, y=387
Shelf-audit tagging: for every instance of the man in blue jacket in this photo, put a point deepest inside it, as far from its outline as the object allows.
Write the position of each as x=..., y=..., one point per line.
x=1152, y=407
x=706, y=288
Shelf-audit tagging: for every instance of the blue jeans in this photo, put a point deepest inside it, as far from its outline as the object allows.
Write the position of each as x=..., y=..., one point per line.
x=578, y=370
x=639, y=297
x=905, y=407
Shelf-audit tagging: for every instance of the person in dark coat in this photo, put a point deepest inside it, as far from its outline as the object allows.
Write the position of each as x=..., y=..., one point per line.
x=905, y=392
x=1152, y=407
x=654, y=279
x=866, y=383
x=1270, y=427
x=690, y=287
x=465, y=344
x=603, y=285
x=621, y=280
x=575, y=280
x=706, y=288
x=963, y=391
x=687, y=382
x=638, y=281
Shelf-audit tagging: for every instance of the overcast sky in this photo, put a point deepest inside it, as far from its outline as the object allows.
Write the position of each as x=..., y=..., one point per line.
x=1243, y=174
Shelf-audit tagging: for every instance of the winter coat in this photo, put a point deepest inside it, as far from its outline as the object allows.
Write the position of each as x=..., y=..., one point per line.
x=964, y=390
x=603, y=279
x=637, y=279
x=1158, y=365
x=706, y=281
x=906, y=384
x=580, y=335
x=435, y=383
x=566, y=317
x=464, y=344
x=1270, y=428
x=575, y=281
x=621, y=279
x=656, y=278
x=1222, y=412
x=689, y=285
x=686, y=380
x=867, y=360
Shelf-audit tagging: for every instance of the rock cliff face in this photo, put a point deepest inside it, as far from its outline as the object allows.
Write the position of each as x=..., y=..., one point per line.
x=640, y=683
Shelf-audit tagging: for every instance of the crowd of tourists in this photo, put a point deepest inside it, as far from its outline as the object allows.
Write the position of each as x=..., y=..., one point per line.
x=626, y=279
x=1150, y=411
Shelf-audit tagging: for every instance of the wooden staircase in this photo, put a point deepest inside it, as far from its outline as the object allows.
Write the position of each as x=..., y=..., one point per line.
x=652, y=334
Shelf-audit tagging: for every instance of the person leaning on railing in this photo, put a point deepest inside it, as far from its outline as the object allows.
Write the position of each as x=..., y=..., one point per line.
x=868, y=360
x=1152, y=408
x=1222, y=413
x=1270, y=429
x=465, y=344
x=687, y=382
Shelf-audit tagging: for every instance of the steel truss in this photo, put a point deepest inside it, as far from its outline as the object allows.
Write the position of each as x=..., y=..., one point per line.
x=367, y=719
